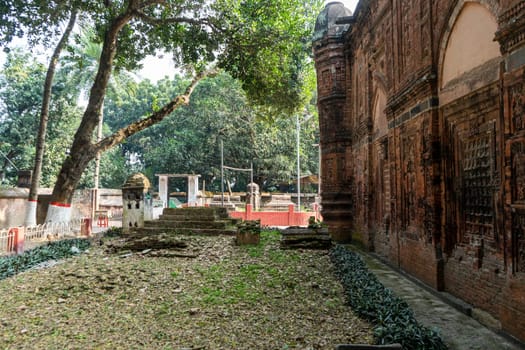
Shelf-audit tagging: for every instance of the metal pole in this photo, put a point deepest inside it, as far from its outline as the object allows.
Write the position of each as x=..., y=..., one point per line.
x=222, y=173
x=252, y=200
x=298, y=168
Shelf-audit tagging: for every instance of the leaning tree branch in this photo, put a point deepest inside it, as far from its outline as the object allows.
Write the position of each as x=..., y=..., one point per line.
x=181, y=100
x=157, y=21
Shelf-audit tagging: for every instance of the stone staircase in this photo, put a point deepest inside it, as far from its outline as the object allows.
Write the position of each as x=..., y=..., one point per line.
x=193, y=220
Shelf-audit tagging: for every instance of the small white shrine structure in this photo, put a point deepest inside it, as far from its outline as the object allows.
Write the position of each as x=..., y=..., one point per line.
x=136, y=202
x=193, y=188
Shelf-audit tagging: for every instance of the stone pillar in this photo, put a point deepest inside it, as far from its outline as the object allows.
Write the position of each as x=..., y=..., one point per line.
x=334, y=126
x=163, y=190
x=148, y=206
x=134, y=194
x=253, y=196
x=193, y=189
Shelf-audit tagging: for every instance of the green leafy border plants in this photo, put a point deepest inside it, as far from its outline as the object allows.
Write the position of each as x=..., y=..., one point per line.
x=392, y=319
x=113, y=231
x=12, y=265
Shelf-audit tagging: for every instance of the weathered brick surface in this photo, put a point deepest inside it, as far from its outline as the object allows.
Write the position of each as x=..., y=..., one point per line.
x=426, y=170
x=513, y=308
x=418, y=259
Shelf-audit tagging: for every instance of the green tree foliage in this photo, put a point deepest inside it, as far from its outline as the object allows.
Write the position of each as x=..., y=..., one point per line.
x=262, y=43
x=268, y=40
x=190, y=141
x=21, y=82
x=38, y=21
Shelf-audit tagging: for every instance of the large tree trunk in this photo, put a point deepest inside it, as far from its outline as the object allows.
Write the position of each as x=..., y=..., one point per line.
x=76, y=163
x=32, y=200
x=82, y=150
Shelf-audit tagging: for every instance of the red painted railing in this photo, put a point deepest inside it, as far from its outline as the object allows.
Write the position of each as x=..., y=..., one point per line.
x=12, y=240
x=277, y=218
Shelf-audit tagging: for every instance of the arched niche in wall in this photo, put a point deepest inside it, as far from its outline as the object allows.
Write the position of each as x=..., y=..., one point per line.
x=380, y=125
x=469, y=55
x=380, y=171
x=469, y=98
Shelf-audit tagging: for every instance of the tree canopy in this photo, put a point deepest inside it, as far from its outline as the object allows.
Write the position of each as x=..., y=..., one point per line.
x=190, y=141
x=261, y=43
x=264, y=43
x=22, y=79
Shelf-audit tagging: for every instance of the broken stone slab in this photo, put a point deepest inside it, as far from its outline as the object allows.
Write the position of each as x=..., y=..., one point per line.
x=144, y=242
x=308, y=238
x=298, y=230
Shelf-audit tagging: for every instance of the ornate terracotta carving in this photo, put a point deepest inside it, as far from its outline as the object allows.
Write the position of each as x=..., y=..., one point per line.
x=517, y=106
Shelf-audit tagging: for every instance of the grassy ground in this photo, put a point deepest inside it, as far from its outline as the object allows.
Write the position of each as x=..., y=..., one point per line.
x=228, y=297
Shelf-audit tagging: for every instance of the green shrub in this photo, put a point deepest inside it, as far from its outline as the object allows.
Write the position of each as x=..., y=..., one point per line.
x=113, y=231
x=11, y=265
x=393, y=320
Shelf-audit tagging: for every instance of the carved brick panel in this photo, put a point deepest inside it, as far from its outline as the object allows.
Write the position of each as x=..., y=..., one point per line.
x=517, y=160
x=518, y=172
x=332, y=78
x=425, y=26
x=477, y=161
x=511, y=24
x=408, y=180
x=326, y=79
x=360, y=171
x=381, y=185
x=518, y=237
x=426, y=165
x=517, y=107
x=407, y=35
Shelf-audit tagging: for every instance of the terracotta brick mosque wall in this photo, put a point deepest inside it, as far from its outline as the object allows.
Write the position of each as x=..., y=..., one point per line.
x=422, y=121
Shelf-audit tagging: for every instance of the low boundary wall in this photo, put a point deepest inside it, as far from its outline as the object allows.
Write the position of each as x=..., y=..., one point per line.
x=278, y=218
x=13, y=239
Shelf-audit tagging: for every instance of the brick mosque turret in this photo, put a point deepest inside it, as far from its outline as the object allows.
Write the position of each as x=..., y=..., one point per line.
x=329, y=56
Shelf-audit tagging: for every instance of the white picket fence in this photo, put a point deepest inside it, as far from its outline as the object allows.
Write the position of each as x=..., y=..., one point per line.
x=43, y=232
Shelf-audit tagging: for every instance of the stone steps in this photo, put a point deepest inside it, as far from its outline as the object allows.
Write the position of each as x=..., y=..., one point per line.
x=201, y=212
x=193, y=220
x=181, y=218
x=216, y=224
x=187, y=231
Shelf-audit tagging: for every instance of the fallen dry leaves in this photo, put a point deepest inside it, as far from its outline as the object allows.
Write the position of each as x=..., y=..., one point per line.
x=226, y=297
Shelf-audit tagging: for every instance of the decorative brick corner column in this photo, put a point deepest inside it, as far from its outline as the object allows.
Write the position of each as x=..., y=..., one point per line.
x=329, y=56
